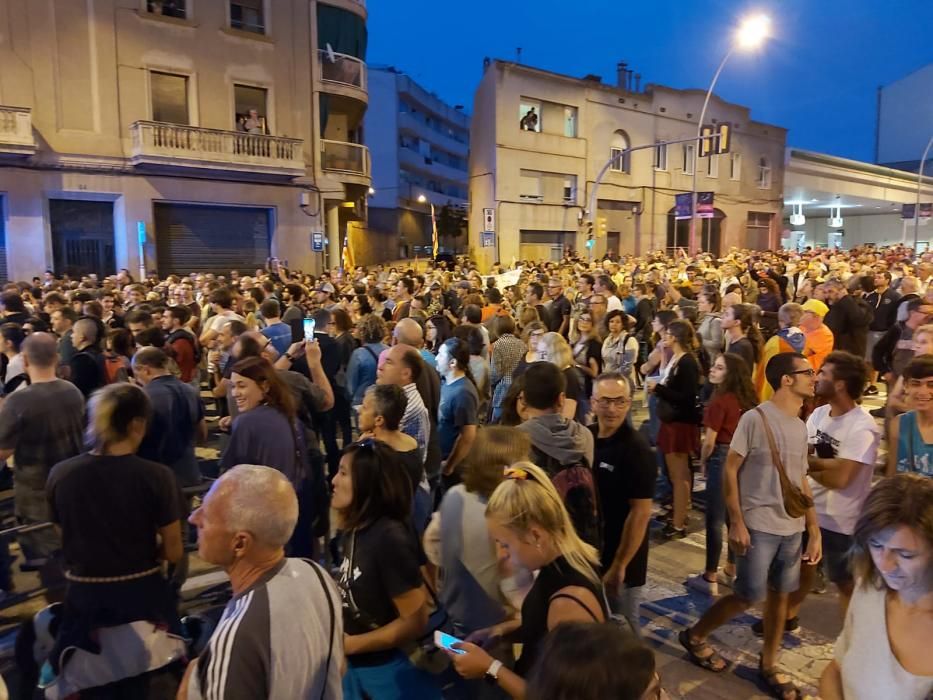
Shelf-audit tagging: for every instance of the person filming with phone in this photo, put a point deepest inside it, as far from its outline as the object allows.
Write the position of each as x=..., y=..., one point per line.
x=770, y=504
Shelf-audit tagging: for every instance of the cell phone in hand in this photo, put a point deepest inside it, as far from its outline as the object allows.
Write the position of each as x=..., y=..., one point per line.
x=824, y=450
x=308, y=327
x=447, y=641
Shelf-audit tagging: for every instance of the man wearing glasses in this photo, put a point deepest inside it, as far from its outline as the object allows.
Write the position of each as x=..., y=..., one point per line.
x=625, y=468
x=766, y=540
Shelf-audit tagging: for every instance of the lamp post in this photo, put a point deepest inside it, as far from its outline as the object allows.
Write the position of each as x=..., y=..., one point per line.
x=926, y=153
x=749, y=35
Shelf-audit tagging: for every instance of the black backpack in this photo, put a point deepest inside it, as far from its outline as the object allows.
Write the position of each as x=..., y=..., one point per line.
x=576, y=484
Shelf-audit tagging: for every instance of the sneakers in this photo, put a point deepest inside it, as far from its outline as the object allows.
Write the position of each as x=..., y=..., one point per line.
x=791, y=625
x=672, y=533
x=701, y=584
x=726, y=579
x=819, y=584
x=872, y=390
x=878, y=412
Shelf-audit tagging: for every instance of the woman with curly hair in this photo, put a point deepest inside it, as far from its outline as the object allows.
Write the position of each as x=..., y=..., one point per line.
x=361, y=370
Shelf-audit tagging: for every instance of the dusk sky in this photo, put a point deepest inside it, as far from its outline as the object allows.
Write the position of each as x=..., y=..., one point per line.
x=817, y=76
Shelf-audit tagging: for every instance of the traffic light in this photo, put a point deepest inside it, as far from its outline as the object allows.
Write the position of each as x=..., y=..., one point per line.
x=715, y=139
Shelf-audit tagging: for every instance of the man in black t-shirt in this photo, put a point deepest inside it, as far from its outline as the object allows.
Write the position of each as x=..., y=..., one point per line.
x=558, y=319
x=625, y=469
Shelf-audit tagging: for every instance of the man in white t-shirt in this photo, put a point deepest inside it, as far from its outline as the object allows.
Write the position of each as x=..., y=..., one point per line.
x=843, y=440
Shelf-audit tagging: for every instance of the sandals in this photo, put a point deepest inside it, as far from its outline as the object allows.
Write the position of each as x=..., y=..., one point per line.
x=714, y=662
x=775, y=687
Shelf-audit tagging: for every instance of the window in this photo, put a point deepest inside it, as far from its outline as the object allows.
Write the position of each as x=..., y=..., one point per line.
x=529, y=115
x=250, y=109
x=530, y=186
x=712, y=166
x=735, y=166
x=689, y=158
x=570, y=189
x=248, y=15
x=764, y=174
x=621, y=161
x=570, y=122
x=169, y=97
x=168, y=8
x=660, y=157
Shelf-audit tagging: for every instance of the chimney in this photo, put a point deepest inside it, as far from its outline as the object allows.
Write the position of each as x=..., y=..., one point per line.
x=621, y=74
x=628, y=79
x=638, y=82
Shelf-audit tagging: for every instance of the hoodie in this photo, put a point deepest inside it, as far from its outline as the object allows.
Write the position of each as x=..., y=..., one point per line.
x=555, y=436
x=785, y=340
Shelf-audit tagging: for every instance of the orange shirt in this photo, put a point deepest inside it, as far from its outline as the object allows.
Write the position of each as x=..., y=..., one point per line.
x=819, y=344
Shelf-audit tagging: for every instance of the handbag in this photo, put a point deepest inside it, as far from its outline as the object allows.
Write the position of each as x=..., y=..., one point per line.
x=796, y=502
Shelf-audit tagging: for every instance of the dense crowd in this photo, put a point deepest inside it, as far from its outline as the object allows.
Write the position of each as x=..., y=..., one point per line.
x=431, y=483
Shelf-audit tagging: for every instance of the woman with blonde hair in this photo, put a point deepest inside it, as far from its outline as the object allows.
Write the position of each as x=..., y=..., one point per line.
x=527, y=517
x=553, y=348
x=884, y=648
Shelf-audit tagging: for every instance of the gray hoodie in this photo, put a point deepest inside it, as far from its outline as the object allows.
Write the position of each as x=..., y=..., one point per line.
x=565, y=440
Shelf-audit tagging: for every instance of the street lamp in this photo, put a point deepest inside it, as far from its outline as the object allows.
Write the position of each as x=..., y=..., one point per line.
x=749, y=35
x=422, y=199
x=923, y=161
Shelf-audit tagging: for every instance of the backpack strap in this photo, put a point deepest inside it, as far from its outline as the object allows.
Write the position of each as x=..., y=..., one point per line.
x=332, y=614
x=577, y=601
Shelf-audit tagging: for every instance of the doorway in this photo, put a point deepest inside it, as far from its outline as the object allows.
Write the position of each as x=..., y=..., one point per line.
x=82, y=237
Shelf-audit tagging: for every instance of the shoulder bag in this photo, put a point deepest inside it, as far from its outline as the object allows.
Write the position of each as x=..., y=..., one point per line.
x=796, y=502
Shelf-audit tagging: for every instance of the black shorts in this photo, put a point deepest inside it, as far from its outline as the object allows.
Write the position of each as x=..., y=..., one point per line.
x=835, y=555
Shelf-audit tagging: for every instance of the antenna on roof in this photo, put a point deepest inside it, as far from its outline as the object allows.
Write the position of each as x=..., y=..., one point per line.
x=518, y=54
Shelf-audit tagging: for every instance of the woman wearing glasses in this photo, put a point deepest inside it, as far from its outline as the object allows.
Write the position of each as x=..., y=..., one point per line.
x=527, y=518
x=385, y=605
x=587, y=350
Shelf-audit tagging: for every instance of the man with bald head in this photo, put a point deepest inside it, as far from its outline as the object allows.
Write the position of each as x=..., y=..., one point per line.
x=87, y=364
x=409, y=332
x=40, y=425
x=243, y=524
x=402, y=365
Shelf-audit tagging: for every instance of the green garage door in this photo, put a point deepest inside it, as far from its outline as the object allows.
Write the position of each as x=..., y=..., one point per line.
x=203, y=238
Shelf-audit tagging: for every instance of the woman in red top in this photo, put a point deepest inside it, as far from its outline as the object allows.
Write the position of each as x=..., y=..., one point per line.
x=733, y=395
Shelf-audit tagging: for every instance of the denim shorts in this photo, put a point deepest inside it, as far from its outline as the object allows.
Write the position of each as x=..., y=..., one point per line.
x=772, y=561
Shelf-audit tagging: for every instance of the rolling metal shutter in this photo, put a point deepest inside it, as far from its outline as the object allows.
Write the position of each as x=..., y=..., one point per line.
x=204, y=238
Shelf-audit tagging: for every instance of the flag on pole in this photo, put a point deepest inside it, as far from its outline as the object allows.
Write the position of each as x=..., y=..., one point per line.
x=433, y=231
x=347, y=258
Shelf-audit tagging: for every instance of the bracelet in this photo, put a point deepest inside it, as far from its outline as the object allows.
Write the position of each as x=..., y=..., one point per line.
x=492, y=673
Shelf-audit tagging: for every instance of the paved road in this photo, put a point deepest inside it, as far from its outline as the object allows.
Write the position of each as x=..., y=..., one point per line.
x=669, y=607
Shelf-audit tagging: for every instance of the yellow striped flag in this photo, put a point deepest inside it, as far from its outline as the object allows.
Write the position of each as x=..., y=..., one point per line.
x=433, y=231
x=348, y=263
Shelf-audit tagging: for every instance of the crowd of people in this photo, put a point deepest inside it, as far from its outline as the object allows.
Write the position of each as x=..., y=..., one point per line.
x=412, y=453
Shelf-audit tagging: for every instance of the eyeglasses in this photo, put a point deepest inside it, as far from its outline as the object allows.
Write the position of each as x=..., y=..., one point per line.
x=609, y=401
x=809, y=372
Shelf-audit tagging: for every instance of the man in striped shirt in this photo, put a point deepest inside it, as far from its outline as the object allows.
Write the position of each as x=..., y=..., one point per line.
x=243, y=524
x=402, y=365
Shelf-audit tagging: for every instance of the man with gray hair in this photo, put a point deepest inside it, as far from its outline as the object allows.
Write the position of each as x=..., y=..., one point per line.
x=87, y=363
x=243, y=525
x=40, y=426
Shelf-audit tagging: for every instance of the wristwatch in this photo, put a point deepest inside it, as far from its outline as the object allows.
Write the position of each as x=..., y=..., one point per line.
x=492, y=673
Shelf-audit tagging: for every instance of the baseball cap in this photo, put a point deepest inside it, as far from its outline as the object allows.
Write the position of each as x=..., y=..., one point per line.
x=815, y=306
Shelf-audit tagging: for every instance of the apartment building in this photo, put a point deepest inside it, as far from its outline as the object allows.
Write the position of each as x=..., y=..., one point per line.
x=540, y=139
x=179, y=135
x=420, y=148
x=904, y=120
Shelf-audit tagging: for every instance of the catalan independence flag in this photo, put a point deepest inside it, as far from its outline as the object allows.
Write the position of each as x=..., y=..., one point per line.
x=433, y=231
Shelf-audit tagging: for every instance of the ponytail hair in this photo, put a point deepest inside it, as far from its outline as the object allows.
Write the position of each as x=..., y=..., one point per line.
x=459, y=352
x=111, y=412
x=746, y=315
x=527, y=497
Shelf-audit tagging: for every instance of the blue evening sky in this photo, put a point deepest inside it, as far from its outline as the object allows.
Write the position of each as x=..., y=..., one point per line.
x=817, y=76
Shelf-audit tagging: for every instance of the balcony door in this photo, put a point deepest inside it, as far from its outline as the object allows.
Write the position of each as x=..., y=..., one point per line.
x=169, y=96
x=251, y=109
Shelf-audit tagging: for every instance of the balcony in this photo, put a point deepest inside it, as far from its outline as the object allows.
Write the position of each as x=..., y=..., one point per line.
x=343, y=74
x=177, y=146
x=344, y=157
x=16, y=132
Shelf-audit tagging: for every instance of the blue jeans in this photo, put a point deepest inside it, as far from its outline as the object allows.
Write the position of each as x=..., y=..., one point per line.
x=716, y=515
x=397, y=679
x=772, y=561
x=662, y=489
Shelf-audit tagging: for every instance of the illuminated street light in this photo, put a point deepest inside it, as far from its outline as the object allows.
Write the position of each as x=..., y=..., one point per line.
x=372, y=191
x=749, y=35
x=422, y=199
